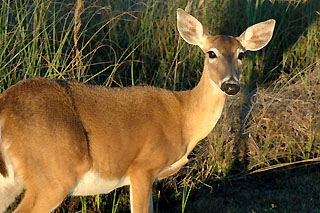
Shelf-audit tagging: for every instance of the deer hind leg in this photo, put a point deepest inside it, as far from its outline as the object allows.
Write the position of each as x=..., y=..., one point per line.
x=46, y=188
x=41, y=199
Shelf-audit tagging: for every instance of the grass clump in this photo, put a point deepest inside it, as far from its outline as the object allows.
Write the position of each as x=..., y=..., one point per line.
x=284, y=124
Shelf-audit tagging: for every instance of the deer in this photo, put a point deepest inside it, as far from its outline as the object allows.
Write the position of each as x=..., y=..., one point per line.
x=61, y=138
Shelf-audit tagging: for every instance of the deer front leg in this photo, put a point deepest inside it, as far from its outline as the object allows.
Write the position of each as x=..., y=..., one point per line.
x=174, y=168
x=140, y=193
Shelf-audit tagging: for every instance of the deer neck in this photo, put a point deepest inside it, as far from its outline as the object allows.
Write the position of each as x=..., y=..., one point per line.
x=203, y=108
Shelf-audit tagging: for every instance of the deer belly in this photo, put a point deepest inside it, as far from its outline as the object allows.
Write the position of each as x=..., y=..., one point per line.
x=92, y=184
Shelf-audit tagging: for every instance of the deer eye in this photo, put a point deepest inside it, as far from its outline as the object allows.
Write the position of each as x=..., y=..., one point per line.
x=212, y=54
x=241, y=56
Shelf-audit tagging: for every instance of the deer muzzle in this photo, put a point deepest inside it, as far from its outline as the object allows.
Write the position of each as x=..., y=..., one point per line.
x=230, y=87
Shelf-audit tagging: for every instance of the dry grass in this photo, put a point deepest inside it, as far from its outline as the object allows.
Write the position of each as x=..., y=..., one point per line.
x=284, y=123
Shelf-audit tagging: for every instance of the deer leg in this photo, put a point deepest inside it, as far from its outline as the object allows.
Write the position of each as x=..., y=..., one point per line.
x=140, y=193
x=46, y=190
x=174, y=168
x=151, y=202
x=42, y=199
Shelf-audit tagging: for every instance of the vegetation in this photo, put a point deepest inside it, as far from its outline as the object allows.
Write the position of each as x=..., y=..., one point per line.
x=273, y=122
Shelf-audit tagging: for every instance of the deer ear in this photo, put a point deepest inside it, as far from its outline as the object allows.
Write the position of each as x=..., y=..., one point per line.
x=257, y=36
x=190, y=29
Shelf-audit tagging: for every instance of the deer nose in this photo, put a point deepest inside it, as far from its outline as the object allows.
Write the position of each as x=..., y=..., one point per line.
x=231, y=88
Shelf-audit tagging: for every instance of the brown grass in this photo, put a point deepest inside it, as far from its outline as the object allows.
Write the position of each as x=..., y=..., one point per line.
x=76, y=32
x=284, y=123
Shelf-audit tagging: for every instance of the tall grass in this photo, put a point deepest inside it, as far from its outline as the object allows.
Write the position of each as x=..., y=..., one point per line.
x=123, y=43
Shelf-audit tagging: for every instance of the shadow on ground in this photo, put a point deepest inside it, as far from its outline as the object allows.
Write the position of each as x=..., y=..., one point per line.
x=282, y=190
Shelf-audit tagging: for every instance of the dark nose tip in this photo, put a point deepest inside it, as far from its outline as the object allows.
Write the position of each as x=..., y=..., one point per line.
x=230, y=88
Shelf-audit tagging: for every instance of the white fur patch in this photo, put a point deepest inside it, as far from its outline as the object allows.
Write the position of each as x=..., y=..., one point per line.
x=11, y=185
x=131, y=199
x=92, y=184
